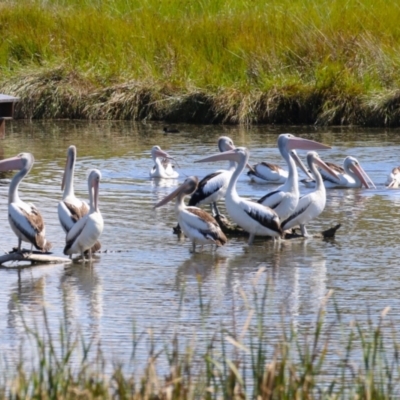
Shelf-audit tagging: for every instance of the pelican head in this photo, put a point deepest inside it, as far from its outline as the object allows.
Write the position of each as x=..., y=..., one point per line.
x=237, y=155
x=187, y=188
x=93, y=184
x=69, y=164
x=314, y=158
x=351, y=163
x=225, y=143
x=21, y=161
x=156, y=152
x=287, y=141
x=393, y=180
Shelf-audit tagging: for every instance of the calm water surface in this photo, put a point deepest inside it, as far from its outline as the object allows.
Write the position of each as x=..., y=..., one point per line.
x=149, y=278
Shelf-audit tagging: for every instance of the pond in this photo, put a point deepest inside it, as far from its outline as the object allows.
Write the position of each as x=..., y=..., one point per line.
x=146, y=276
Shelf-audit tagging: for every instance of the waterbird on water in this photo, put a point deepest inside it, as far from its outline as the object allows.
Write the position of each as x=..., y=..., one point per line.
x=393, y=179
x=351, y=175
x=311, y=205
x=86, y=231
x=70, y=208
x=251, y=216
x=162, y=165
x=284, y=200
x=195, y=223
x=25, y=219
x=265, y=172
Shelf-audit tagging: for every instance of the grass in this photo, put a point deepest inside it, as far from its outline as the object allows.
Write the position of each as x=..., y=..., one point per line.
x=330, y=361
x=245, y=61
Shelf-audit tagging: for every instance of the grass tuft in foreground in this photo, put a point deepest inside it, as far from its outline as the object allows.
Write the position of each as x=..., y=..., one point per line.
x=331, y=361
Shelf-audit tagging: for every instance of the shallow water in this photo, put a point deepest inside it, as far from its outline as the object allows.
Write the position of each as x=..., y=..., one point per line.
x=149, y=277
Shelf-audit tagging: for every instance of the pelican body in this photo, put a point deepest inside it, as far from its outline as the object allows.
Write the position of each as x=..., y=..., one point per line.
x=195, y=223
x=393, y=179
x=253, y=217
x=311, y=205
x=85, y=232
x=70, y=208
x=162, y=166
x=351, y=175
x=284, y=200
x=25, y=219
x=265, y=172
x=212, y=187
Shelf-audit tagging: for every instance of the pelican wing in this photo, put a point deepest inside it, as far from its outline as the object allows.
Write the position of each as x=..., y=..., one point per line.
x=76, y=230
x=272, y=199
x=304, y=203
x=77, y=212
x=264, y=216
x=206, y=224
x=267, y=171
x=29, y=222
x=327, y=177
x=210, y=184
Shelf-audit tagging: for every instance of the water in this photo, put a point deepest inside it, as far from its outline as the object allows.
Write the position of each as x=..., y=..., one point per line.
x=149, y=278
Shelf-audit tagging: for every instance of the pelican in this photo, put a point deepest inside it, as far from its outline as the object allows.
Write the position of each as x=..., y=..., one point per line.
x=195, y=223
x=393, y=180
x=284, y=200
x=265, y=172
x=24, y=218
x=213, y=186
x=85, y=232
x=163, y=167
x=252, y=217
x=351, y=175
x=70, y=208
x=312, y=204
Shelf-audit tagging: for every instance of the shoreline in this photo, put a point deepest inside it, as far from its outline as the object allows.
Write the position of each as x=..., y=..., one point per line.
x=58, y=93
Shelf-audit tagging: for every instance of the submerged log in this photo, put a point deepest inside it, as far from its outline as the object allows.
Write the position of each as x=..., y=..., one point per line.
x=327, y=234
x=34, y=257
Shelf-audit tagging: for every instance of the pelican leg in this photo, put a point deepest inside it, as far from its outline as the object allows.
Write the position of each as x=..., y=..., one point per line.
x=251, y=239
x=90, y=255
x=304, y=231
x=193, y=247
x=19, y=245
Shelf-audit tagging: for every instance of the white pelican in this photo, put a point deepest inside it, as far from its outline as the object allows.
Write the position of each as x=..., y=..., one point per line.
x=85, y=232
x=252, y=217
x=162, y=166
x=284, y=200
x=351, y=175
x=265, y=172
x=24, y=218
x=312, y=204
x=70, y=208
x=195, y=223
x=213, y=186
x=393, y=179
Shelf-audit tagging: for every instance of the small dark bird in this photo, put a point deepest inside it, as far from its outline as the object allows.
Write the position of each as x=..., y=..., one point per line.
x=168, y=129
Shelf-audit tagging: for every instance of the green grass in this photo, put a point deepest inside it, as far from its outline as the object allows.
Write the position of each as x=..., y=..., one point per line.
x=331, y=360
x=253, y=61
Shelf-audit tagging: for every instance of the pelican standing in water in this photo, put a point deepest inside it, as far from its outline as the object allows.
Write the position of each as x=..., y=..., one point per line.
x=311, y=205
x=252, y=217
x=284, y=200
x=195, y=223
x=24, y=218
x=162, y=166
x=70, y=208
x=85, y=232
x=213, y=186
x=265, y=172
x=393, y=179
x=351, y=175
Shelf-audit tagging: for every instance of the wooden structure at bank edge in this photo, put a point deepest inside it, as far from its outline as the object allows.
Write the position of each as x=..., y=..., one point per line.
x=6, y=111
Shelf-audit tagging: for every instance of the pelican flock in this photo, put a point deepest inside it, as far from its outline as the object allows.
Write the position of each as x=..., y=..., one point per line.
x=276, y=212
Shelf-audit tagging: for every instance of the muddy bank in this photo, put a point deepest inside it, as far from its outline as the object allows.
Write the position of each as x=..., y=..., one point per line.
x=60, y=93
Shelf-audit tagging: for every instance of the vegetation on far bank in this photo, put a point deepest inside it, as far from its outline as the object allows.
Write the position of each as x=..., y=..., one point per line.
x=204, y=61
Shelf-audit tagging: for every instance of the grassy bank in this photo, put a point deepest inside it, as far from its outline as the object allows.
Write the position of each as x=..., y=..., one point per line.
x=331, y=361
x=224, y=61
